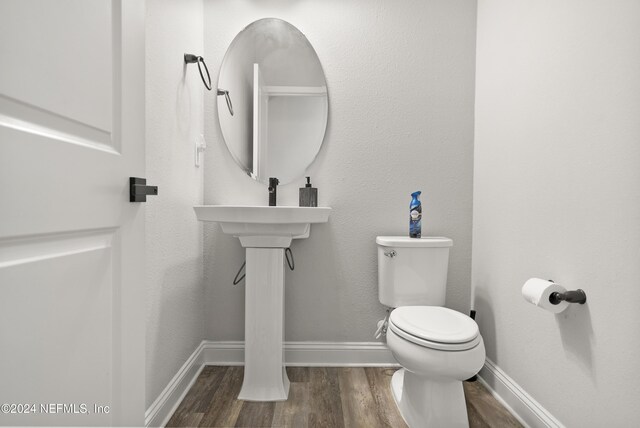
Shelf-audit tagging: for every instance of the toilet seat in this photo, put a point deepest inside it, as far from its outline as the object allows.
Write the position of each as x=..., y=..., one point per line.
x=435, y=327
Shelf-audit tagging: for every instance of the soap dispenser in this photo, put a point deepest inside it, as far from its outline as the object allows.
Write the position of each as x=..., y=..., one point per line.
x=308, y=195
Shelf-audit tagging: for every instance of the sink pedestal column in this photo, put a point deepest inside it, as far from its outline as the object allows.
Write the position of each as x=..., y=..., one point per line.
x=265, y=378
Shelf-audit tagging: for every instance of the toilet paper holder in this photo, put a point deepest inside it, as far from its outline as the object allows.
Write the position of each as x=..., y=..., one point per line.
x=573, y=296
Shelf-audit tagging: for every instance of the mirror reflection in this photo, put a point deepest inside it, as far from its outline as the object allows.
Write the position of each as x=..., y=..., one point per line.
x=274, y=80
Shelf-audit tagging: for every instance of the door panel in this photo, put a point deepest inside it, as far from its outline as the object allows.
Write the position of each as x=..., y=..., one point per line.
x=60, y=50
x=60, y=289
x=71, y=243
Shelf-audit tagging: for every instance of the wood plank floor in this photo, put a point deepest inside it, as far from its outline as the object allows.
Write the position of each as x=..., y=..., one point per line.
x=318, y=397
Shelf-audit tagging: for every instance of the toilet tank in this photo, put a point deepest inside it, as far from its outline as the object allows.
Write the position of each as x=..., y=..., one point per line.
x=412, y=271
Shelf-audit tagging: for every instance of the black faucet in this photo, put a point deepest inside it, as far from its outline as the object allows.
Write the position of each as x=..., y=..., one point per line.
x=273, y=184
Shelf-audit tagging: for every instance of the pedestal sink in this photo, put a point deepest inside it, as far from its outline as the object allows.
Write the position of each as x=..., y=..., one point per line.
x=265, y=232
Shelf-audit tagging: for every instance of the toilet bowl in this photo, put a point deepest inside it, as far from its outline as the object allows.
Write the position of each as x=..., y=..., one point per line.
x=428, y=389
x=437, y=347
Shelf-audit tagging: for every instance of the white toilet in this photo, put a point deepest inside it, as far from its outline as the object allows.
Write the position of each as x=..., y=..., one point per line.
x=437, y=347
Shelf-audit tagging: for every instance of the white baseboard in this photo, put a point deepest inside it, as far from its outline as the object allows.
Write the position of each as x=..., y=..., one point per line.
x=515, y=399
x=310, y=354
x=231, y=353
x=158, y=414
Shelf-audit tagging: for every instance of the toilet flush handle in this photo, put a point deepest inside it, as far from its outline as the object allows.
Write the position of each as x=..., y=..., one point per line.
x=391, y=253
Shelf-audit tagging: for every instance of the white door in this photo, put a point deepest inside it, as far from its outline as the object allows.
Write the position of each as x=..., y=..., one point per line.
x=71, y=243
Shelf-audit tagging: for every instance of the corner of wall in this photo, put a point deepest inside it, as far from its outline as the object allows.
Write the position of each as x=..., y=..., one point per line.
x=174, y=239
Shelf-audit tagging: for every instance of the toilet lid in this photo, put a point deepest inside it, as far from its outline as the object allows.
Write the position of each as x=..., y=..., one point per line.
x=435, y=324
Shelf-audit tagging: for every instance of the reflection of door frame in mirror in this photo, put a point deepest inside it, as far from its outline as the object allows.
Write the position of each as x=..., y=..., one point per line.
x=261, y=95
x=260, y=122
x=266, y=93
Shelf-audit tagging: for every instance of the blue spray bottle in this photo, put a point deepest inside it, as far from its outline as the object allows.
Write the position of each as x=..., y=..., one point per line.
x=415, y=215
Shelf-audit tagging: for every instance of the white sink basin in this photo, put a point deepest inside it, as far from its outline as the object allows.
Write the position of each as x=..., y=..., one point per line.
x=262, y=226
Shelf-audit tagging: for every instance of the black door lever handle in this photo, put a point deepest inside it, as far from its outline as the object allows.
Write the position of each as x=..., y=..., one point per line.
x=138, y=189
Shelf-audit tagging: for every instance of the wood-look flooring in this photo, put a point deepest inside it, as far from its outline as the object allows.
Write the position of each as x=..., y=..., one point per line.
x=318, y=397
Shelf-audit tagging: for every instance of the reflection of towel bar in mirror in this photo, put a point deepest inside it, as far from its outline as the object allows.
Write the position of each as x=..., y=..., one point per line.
x=227, y=98
x=191, y=59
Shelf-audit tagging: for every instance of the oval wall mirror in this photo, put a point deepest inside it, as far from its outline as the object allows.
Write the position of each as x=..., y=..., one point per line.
x=272, y=101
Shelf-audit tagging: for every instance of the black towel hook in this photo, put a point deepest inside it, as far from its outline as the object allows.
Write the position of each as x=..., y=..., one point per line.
x=190, y=59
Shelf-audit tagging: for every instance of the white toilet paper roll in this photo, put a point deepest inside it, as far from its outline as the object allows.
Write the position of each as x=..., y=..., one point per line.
x=537, y=291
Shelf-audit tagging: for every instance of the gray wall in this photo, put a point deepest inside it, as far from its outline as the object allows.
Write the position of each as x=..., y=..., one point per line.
x=557, y=195
x=175, y=310
x=400, y=77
